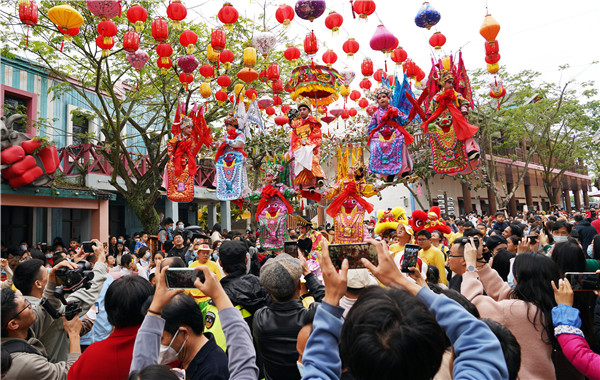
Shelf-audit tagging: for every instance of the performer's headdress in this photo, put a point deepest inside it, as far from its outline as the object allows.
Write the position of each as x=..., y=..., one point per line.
x=186, y=121
x=231, y=120
x=301, y=222
x=382, y=90
x=200, y=130
x=273, y=166
x=305, y=102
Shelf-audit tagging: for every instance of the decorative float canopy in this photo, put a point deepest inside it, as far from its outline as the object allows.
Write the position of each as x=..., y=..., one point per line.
x=321, y=84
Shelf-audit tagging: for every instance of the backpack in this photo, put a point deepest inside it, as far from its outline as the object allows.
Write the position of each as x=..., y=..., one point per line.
x=15, y=346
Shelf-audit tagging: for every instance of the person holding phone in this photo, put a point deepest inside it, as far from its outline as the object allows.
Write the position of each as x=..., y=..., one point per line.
x=431, y=255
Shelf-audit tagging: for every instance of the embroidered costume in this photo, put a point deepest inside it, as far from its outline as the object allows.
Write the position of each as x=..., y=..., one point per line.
x=305, y=141
x=189, y=134
x=230, y=163
x=388, y=139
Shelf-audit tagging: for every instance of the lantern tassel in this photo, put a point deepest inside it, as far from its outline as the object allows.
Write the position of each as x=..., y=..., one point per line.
x=137, y=84
x=27, y=39
x=61, y=45
x=352, y=7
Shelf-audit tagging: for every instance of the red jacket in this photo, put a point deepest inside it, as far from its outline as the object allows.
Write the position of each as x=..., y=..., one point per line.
x=108, y=359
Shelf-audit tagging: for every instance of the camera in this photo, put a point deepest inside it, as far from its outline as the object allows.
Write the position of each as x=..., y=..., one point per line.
x=68, y=281
x=88, y=246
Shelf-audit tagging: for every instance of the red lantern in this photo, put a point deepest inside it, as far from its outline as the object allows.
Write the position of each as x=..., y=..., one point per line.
x=176, y=12
x=334, y=21
x=378, y=75
x=437, y=40
x=420, y=74
x=218, y=39
x=28, y=13
x=363, y=103
x=353, y=112
x=492, y=58
x=410, y=68
x=247, y=74
x=371, y=109
x=329, y=57
x=226, y=57
x=277, y=101
x=270, y=111
x=364, y=8
x=350, y=47
x=399, y=55
x=310, y=44
x=68, y=35
x=281, y=120
x=228, y=15
x=207, y=71
x=263, y=76
x=292, y=54
x=224, y=81
x=277, y=86
x=164, y=51
x=355, y=95
x=164, y=66
x=365, y=84
x=188, y=39
x=366, y=67
x=186, y=79
x=345, y=115
x=285, y=108
x=160, y=29
x=284, y=14
x=391, y=80
x=491, y=47
x=221, y=97
x=251, y=93
x=137, y=15
x=273, y=72
x=131, y=41
x=100, y=42
x=107, y=29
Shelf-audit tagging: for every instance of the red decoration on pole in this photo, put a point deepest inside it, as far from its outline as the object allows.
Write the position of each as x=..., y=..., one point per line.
x=334, y=21
x=28, y=14
x=137, y=15
x=366, y=67
x=228, y=15
x=131, y=41
x=218, y=39
x=176, y=11
x=160, y=29
x=310, y=44
x=437, y=40
x=284, y=14
x=277, y=101
x=270, y=111
x=350, y=47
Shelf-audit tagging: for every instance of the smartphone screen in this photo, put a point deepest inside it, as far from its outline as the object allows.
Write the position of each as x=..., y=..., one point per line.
x=183, y=278
x=411, y=254
x=291, y=248
x=581, y=281
x=352, y=252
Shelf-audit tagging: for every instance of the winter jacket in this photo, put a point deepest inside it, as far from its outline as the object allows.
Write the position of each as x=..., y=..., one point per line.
x=574, y=346
x=586, y=233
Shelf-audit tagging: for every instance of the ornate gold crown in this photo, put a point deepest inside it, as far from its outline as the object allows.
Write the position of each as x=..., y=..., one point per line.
x=351, y=158
x=305, y=102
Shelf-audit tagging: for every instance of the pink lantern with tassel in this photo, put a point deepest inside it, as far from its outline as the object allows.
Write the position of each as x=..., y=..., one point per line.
x=138, y=59
x=188, y=63
x=104, y=9
x=383, y=40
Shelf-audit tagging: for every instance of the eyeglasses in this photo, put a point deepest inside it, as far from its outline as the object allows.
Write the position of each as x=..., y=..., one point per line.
x=27, y=306
x=455, y=255
x=422, y=240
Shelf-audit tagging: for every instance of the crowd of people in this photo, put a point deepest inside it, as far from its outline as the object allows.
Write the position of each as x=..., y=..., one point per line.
x=488, y=300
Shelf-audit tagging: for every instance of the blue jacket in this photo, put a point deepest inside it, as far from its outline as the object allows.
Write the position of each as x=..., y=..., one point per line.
x=478, y=354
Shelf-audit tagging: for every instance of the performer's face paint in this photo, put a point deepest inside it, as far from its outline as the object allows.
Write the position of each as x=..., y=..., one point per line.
x=186, y=130
x=449, y=84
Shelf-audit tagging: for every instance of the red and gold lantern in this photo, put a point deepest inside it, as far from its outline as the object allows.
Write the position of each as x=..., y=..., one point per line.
x=207, y=71
x=284, y=14
x=329, y=57
x=164, y=51
x=186, y=79
x=137, y=15
x=108, y=30
x=366, y=67
x=218, y=39
x=224, y=81
x=100, y=42
x=364, y=8
x=221, y=97
x=363, y=103
x=333, y=21
x=28, y=14
x=292, y=54
x=160, y=29
x=131, y=41
x=188, y=39
x=228, y=15
x=273, y=72
x=365, y=84
x=226, y=57
x=350, y=47
x=176, y=11
x=437, y=40
x=164, y=65
x=311, y=45
x=399, y=55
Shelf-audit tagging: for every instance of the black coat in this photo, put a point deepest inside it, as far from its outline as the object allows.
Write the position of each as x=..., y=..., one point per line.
x=585, y=233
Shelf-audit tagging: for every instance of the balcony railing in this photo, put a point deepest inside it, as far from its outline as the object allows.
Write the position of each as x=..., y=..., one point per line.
x=86, y=159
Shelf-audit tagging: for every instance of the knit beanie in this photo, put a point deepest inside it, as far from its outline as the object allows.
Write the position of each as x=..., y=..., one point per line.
x=280, y=276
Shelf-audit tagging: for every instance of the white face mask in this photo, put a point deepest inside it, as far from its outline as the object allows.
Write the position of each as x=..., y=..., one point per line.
x=167, y=354
x=560, y=239
x=300, y=368
x=590, y=251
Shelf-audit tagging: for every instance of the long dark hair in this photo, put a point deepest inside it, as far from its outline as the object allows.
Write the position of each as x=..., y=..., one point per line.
x=569, y=257
x=596, y=247
x=533, y=274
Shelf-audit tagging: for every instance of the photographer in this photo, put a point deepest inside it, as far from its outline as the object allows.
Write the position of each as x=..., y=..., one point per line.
x=23, y=323
x=31, y=277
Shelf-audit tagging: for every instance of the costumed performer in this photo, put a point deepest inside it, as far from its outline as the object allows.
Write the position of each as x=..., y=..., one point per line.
x=313, y=239
x=189, y=134
x=305, y=141
x=453, y=148
x=230, y=163
x=389, y=220
x=273, y=209
x=388, y=139
x=349, y=207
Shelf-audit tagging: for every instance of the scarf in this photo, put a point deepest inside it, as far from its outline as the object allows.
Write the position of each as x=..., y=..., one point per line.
x=388, y=118
x=184, y=150
x=232, y=134
x=447, y=100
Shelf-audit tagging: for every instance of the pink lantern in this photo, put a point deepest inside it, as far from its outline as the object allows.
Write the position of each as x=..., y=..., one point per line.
x=265, y=101
x=336, y=111
x=188, y=63
x=383, y=40
x=104, y=9
x=328, y=118
x=138, y=59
